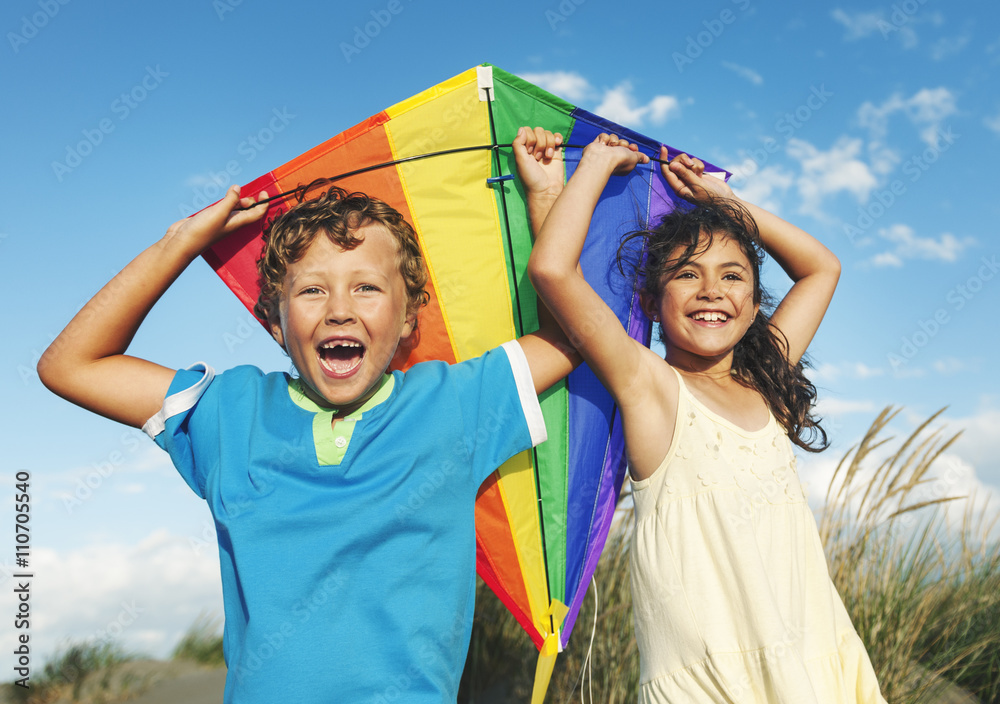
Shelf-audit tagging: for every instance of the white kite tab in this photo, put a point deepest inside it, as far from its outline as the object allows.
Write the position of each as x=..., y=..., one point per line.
x=484, y=78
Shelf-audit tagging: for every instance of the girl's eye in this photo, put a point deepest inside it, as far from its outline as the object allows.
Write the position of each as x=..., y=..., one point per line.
x=685, y=275
x=732, y=277
x=368, y=288
x=310, y=290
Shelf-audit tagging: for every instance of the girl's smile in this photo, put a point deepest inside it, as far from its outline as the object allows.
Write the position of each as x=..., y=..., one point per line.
x=706, y=306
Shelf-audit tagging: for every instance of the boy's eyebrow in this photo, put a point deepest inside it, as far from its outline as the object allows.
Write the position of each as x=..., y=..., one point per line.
x=363, y=272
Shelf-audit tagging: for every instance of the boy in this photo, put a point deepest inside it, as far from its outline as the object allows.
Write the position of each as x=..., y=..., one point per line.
x=329, y=594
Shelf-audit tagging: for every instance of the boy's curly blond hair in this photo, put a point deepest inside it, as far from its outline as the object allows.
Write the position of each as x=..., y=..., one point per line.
x=337, y=214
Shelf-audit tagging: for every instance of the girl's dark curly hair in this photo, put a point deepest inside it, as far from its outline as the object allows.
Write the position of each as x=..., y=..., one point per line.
x=760, y=358
x=337, y=214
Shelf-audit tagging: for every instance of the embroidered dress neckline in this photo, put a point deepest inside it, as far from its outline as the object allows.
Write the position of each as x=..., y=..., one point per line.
x=738, y=429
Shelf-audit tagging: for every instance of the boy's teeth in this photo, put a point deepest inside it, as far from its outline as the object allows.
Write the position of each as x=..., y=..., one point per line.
x=330, y=345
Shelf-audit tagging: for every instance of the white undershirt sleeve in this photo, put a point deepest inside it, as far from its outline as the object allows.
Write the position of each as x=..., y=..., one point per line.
x=180, y=401
x=526, y=391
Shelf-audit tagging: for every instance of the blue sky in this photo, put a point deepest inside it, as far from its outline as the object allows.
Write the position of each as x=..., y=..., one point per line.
x=873, y=125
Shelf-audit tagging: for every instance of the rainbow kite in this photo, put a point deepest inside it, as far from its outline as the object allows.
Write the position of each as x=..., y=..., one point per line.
x=542, y=518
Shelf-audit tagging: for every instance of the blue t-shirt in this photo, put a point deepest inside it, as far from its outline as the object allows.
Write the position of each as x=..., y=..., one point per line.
x=348, y=552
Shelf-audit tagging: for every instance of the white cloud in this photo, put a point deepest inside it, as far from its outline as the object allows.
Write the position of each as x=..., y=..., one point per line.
x=566, y=84
x=980, y=441
x=830, y=172
x=950, y=365
x=663, y=107
x=945, y=248
x=744, y=72
x=829, y=372
x=859, y=25
x=993, y=123
x=144, y=596
x=837, y=407
x=926, y=109
x=887, y=259
x=618, y=104
x=946, y=46
x=760, y=186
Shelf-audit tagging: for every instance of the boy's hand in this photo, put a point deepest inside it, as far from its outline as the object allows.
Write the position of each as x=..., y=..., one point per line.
x=687, y=177
x=205, y=228
x=539, y=161
x=619, y=155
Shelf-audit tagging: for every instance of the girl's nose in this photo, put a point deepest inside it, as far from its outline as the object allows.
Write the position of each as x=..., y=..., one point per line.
x=709, y=289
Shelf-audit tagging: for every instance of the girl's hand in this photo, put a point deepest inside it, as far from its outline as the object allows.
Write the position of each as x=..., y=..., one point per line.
x=687, y=177
x=618, y=154
x=205, y=228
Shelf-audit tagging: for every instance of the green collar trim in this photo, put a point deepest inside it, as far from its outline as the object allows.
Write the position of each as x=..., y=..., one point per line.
x=333, y=440
x=299, y=398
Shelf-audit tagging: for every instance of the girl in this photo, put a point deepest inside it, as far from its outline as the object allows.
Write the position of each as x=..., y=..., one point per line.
x=732, y=598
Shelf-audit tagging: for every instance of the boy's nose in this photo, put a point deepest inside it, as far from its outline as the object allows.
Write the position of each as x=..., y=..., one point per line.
x=339, y=310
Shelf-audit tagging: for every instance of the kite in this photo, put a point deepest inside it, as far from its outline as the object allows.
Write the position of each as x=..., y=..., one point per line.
x=442, y=158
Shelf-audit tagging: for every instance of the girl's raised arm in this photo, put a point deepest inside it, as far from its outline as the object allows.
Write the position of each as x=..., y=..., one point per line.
x=588, y=322
x=813, y=268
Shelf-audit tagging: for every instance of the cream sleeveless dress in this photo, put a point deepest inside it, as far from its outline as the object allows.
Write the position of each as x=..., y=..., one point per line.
x=731, y=594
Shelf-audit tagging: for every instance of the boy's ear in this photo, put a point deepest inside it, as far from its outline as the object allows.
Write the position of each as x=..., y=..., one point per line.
x=409, y=327
x=274, y=322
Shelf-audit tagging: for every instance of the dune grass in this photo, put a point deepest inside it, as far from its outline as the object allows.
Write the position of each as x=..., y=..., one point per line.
x=81, y=672
x=922, y=589
x=917, y=567
x=202, y=643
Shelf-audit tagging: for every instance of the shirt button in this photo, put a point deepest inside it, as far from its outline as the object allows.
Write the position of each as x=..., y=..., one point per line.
x=340, y=442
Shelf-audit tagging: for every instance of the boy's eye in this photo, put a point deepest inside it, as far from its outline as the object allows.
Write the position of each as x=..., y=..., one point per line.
x=368, y=288
x=310, y=290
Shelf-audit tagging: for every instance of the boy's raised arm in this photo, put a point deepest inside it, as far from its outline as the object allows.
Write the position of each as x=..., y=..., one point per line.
x=87, y=365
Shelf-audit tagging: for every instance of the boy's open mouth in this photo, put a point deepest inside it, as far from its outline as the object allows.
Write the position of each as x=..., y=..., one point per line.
x=341, y=357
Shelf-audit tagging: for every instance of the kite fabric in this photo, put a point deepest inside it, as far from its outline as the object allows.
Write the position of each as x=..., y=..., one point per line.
x=543, y=517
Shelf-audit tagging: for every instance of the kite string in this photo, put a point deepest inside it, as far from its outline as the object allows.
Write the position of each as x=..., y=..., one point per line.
x=587, y=670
